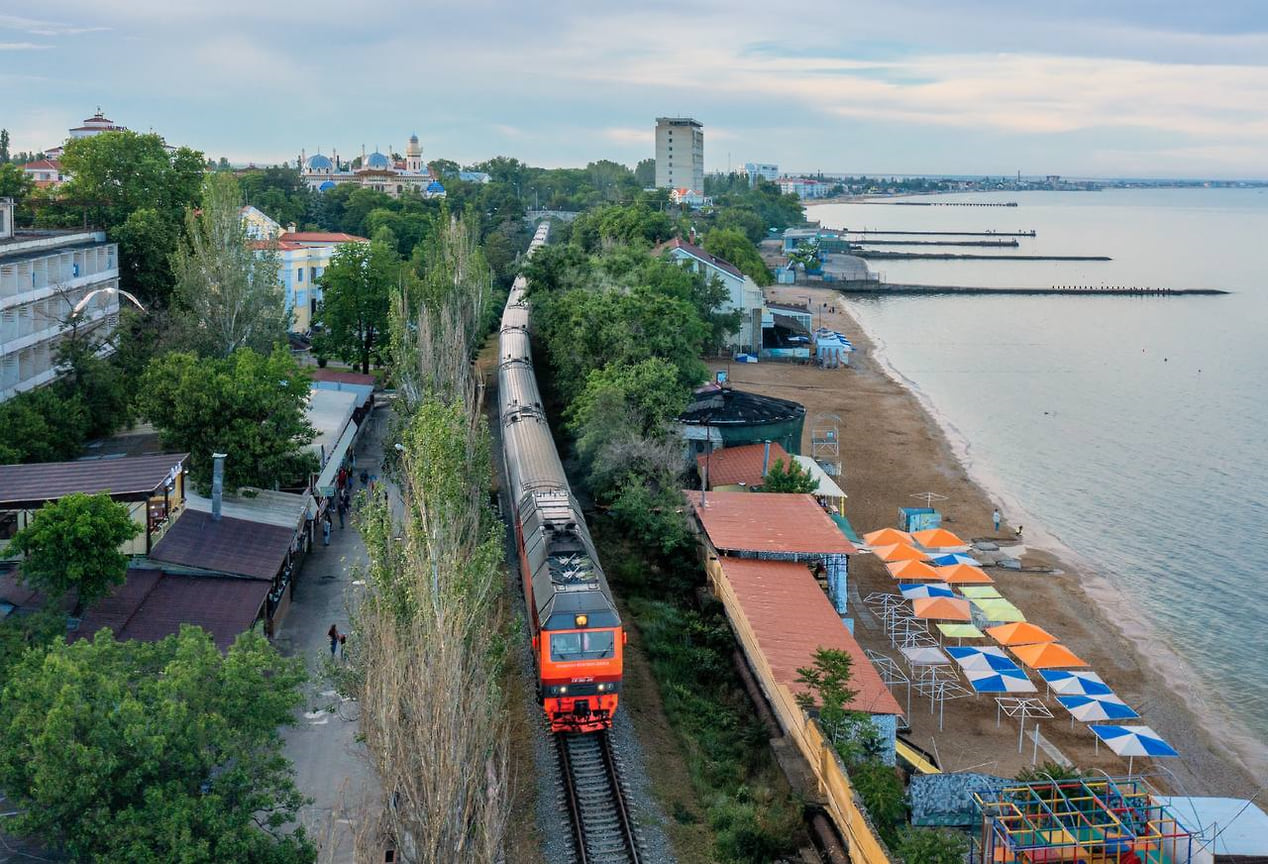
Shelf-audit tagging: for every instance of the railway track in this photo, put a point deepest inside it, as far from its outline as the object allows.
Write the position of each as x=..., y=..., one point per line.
x=602, y=825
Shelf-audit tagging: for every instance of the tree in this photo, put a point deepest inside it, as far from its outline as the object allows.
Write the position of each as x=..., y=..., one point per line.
x=14, y=182
x=731, y=244
x=645, y=172
x=116, y=173
x=72, y=544
x=42, y=425
x=356, y=290
x=146, y=241
x=789, y=476
x=4, y=145
x=228, y=293
x=931, y=846
x=154, y=751
x=250, y=406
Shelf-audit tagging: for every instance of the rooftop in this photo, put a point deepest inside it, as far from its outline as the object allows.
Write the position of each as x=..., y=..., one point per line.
x=743, y=464
x=321, y=237
x=724, y=406
x=768, y=522
x=702, y=256
x=230, y=545
x=266, y=506
x=791, y=617
x=342, y=377
x=37, y=483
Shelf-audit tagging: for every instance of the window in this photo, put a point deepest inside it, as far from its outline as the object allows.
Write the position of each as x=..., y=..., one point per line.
x=299, y=274
x=582, y=645
x=312, y=274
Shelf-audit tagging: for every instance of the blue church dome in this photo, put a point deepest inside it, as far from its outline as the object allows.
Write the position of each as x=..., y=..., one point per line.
x=433, y=186
x=377, y=160
x=326, y=186
x=318, y=162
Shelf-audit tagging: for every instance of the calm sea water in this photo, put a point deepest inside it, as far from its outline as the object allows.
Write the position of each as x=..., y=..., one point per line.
x=1130, y=430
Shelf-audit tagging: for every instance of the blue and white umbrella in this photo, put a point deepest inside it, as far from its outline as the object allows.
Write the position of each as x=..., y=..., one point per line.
x=987, y=658
x=933, y=589
x=955, y=558
x=1097, y=709
x=999, y=681
x=1075, y=682
x=1133, y=741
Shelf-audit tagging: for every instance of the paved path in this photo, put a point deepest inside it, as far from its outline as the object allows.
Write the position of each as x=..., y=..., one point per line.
x=330, y=764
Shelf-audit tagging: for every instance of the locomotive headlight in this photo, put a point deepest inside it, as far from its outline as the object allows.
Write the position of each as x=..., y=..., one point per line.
x=581, y=620
x=563, y=689
x=603, y=688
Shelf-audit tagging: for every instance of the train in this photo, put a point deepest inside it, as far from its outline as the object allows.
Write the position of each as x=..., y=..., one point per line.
x=577, y=638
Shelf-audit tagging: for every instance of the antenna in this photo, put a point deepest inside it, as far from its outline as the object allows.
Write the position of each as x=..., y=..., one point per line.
x=929, y=497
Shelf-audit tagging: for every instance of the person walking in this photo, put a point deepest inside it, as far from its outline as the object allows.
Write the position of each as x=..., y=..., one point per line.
x=333, y=634
x=995, y=517
x=342, y=509
x=325, y=530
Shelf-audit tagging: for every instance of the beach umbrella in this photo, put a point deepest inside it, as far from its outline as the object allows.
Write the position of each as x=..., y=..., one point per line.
x=984, y=657
x=1020, y=633
x=1075, y=682
x=999, y=681
x=898, y=552
x=912, y=570
x=937, y=538
x=999, y=610
x=1048, y=655
x=981, y=592
x=963, y=574
x=913, y=592
x=941, y=609
x=960, y=632
x=1133, y=741
x=1097, y=709
x=887, y=537
x=955, y=558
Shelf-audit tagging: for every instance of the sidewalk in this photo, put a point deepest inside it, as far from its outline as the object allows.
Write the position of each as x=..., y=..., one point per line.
x=331, y=765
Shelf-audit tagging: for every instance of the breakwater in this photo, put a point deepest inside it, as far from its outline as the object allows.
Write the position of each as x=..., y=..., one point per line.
x=870, y=231
x=968, y=256
x=874, y=286
x=1004, y=244
x=944, y=203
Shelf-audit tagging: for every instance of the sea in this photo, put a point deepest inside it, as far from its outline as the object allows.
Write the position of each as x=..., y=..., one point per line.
x=1127, y=432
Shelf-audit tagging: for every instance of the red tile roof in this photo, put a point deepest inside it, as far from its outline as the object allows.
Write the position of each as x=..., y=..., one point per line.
x=47, y=481
x=42, y=165
x=743, y=464
x=769, y=522
x=791, y=617
x=701, y=255
x=229, y=545
x=321, y=237
x=342, y=377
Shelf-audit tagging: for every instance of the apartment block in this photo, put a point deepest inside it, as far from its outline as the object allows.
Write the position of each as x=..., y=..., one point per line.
x=679, y=153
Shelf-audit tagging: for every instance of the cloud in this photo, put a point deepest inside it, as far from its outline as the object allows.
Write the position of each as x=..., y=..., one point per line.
x=23, y=46
x=36, y=27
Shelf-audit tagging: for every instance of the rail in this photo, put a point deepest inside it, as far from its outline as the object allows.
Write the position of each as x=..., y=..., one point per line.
x=603, y=827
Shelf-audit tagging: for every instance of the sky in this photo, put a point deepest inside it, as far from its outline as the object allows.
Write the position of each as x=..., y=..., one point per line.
x=1081, y=88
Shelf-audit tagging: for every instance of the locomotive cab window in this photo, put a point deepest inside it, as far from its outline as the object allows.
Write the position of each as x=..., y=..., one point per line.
x=583, y=645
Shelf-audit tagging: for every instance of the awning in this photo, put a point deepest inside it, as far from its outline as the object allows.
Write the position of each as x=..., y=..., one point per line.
x=326, y=480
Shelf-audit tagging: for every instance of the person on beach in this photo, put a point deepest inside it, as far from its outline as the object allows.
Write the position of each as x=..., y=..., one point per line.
x=1018, y=532
x=333, y=634
x=995, y=519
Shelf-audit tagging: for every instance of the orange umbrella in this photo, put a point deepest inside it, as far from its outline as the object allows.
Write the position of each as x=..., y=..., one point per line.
x=1048, y=655
x=912, y=571
x=899, y=552
x=887, y=537
x=1021, y=633
x=963, y=574
x=941, y=608
x=937, y=538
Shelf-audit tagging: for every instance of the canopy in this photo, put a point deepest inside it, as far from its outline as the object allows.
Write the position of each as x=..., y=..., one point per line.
x=963, y=574
x=984, y=657
x=1020, y=633
x=937, y=538
x=898, y=552
x=927, y=589
x=1002, y=681
x=912, y=570
x=941, y=609
x=887, y=537
x=1075, y=682
x=960, y=631
x=955, y=558
x=1133, y=741
x=1097, y=709
x=925, y=655
x=999, y=610
x=981, y=592
x=1048, y=655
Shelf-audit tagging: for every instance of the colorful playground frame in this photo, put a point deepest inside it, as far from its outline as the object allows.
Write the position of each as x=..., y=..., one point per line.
x=1089, y=821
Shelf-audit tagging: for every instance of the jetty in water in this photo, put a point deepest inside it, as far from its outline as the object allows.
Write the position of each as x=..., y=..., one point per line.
x=1011, y=243
x=876, y=287
x=944, y=203
x=969, y=256
x=1030, y=233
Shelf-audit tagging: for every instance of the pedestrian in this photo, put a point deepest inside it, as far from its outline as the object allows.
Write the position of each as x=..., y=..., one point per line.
x=995, y=517
x=1018, y=532
x=343, y=643
x=342, y=509
x=333, y=633
x=325, y=530
x=365, y=477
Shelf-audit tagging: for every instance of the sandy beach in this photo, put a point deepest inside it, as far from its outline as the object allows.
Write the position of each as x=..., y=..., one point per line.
x=891, y=448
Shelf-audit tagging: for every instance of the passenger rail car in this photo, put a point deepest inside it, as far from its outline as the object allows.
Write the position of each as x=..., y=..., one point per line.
x=578, y=641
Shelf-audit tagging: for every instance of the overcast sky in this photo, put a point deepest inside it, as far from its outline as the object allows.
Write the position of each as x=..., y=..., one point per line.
x=1138, y=88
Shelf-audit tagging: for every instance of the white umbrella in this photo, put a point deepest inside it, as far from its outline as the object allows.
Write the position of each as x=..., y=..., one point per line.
x=1133, y=741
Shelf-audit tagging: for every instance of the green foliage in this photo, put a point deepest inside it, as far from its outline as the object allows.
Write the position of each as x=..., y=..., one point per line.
x=34, y=631
x=72, y=544
x=645, y=172
x=637, y=225
x=14, y=182
x=42, y=426
x=280, y=192
x=733, y=245
x=931, y=846
x=146, y=241
x=851, y=732
x=789, y=476
x=250, y=406
x=1048, y=771
x=649, y=392
x=356, y=292
x=883, y=796
x=154, y=751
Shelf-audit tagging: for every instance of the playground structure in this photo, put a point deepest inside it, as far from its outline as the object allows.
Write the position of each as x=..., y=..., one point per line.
x=1086, y=820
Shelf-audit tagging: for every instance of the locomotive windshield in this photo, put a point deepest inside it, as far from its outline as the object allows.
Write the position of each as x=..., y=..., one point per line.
x=582, y=645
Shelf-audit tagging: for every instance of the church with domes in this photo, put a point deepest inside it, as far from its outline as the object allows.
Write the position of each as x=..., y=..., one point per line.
x=375, y=170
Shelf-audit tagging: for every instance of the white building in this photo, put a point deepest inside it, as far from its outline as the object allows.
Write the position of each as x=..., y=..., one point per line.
x=743, y=293
x=378, y=171
x=765, y=170
x=691, y=197
x=42, y=277
x=804, y=188
x=679, y=153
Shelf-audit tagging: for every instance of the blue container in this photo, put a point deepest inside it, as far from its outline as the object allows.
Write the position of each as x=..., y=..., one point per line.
x=918, y=518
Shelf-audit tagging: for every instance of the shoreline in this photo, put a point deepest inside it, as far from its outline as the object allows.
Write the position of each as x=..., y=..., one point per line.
x=898, y=445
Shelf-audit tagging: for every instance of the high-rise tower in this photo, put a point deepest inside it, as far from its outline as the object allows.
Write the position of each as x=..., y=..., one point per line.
x=679, y=153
